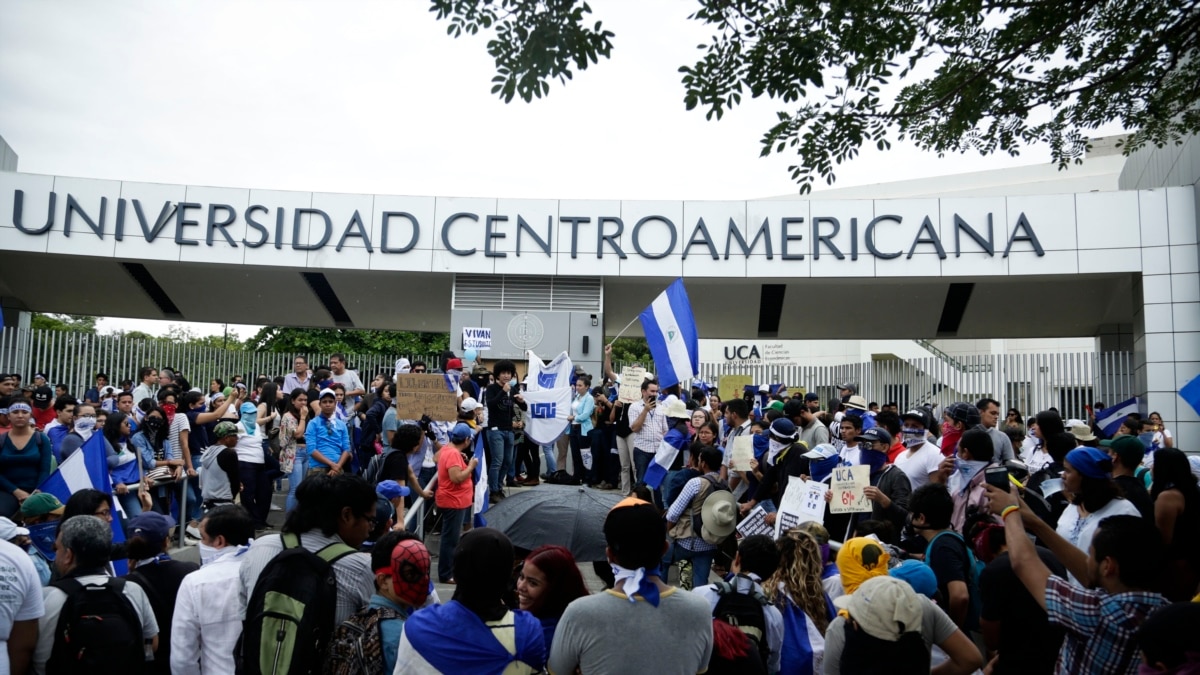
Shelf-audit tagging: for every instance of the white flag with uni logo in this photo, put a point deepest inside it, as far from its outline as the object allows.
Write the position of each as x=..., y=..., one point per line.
x=546, y=418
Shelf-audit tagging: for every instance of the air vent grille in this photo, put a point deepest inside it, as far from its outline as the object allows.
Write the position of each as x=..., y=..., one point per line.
x=514, y=292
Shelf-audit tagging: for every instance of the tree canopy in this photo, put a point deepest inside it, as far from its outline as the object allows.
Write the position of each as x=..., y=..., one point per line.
x=75, y=323
x=949, y=75
x=326, y=340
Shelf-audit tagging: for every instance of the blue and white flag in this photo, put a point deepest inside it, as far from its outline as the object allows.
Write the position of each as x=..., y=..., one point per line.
x=547, y=414
x=803, y=650
x=668, y=450
x=1110, y=419
x=551, y=375
x=87, y=468
x=1191, y=393
x=449, y=638
x=671, y=334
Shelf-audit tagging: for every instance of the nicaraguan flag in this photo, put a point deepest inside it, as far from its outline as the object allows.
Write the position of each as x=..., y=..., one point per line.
x=449, y=638
x=551, y=375
x=481, y=483
x=547, y=414
x=803, y=646
x=87, y=468
x=668, y=450
x=671, y=334
x=1191, y=393
x=1109, y=419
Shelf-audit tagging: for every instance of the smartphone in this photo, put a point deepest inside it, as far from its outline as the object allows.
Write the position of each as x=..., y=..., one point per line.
x=997, y=476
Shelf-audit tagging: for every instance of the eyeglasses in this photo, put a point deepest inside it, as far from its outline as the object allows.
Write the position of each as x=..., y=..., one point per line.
x=372, y=519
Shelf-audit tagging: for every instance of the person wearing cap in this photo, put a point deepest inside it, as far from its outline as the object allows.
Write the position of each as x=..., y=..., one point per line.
x=856, y=406
x=221, y=480
x=327, y=439
x=43, y=408
x=885, y=626
x=454, y=494
x=19, y=537
x=889, y=488
x=921, y=459
x=700, y=544
x=84, y=551
x=756, y=561
x=673, y=628
x=1120, y=567
x=786, y=458
x=207, y=622
x=1127, y=453
x=394, y=493
x=152, y=568
x=956, y=420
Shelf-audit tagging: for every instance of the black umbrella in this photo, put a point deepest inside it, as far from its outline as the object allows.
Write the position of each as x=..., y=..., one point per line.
x=565, y=515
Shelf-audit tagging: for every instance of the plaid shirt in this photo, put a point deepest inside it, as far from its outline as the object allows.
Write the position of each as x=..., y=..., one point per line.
x=654, y=427
x=1100, y=627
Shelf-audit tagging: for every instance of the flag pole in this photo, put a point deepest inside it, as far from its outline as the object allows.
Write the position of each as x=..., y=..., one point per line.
x=623, y=331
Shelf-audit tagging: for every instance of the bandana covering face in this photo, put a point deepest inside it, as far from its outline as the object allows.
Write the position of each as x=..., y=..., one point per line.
x=950, y=436
x=965, y=471
x=169, y=409
x=773, y=450
x=873, y=459
x=637, y=582
x=84, y=426
x=822, y=468
x=249, y=417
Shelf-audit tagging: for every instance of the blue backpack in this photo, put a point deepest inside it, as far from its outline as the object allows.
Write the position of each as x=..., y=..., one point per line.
x=974, y=568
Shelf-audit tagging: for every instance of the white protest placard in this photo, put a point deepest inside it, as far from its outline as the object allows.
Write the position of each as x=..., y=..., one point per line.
x=477, y=338
x=631, y=384
x=849, y=484
x=742, y=453
x=754, y=523
x=802, y=501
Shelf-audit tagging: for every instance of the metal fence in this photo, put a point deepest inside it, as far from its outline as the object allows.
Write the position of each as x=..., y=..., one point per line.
x=1028, y=382
x=74, y=359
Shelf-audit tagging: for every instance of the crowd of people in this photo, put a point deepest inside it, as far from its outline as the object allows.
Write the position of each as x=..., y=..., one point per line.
x=1002, y=545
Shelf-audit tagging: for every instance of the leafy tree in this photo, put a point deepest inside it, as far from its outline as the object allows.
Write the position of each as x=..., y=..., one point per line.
x=326, y=340
x=949, y=75
x=75, y=323
x=631, y=350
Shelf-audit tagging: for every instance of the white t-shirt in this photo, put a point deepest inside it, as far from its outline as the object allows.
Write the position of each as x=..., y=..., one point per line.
x=850, y=456
x=918, y=464
x=55, y=599
x=349, y=380
x=20, y=594
x=249, y=448
x=1080, y=531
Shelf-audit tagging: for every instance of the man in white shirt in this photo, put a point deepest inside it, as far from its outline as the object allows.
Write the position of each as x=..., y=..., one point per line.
x=348, y=378
x=149, y=377
x=299, y=378
x=920, y=459
x=207, y=620
x=20, y=608
x=737, y=414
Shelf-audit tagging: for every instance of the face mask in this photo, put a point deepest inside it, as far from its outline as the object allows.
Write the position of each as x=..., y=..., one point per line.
x=774, y=447
x=153, y=423
x=208, y=553
x=85, y=424
x=169, y=408
x=947, y=428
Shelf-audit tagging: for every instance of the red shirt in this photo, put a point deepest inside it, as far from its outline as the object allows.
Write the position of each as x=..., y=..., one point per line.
x=449, y=495
x=894, y=451
x=43, y=417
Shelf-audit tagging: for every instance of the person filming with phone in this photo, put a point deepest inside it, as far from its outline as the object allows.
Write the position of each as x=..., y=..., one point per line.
x=648, y=426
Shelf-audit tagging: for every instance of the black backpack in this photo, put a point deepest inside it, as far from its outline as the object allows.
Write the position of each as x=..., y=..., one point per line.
x=375, y=466
x=97, y=631
x=290, y=614
x=745, y=612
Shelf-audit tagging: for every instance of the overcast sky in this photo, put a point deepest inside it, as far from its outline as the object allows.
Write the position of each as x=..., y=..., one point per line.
x=374, y=97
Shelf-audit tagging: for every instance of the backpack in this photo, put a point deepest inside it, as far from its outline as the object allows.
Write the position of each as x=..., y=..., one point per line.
x=357, y=645
x=745, y=612
x=375, y=466
x=290, y=614
x=97, y=631
x=974, y=568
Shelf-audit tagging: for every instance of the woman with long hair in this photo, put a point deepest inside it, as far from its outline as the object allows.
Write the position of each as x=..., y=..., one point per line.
x=1093, y=496
x=796, y=587
x=25, y=457
x=123, y=464
x=1013, y=419
x=1162, y=435
x=548, y=581
x=1177, y=515
x=1046, y=424
x=293, y=452
x=150, y=441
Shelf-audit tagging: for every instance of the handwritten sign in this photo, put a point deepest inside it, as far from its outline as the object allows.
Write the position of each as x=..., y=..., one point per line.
x=742, y=453
x=425, y=394
x=732, y=386
x=802, y=502
x=754, y=523
x=477, y=338
x=631, y=384
x=849, y=484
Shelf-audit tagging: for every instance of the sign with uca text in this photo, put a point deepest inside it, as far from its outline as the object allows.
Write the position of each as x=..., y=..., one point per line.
x=849, y=487
x=477, y=338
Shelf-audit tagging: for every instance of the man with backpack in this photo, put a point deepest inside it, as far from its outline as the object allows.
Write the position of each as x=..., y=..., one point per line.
x=698, y=526
x=948, y=554
x=367, y=643
x=741, y=602
x=297, y=586
x=93, y=623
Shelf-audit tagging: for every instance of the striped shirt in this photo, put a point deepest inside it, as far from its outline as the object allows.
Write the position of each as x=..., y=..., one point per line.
x=690, y=490
x=653, y=428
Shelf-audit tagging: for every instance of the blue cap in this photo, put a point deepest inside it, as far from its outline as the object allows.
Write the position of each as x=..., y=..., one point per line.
x=390, y=489
x=461, y=432
x=918, y=575
x=150, y=525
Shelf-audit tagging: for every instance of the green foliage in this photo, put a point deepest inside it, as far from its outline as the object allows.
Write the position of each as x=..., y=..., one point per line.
x=949, y=75
x=630, y=350
x=534, y=40
x=75, y=323
x=327, y=340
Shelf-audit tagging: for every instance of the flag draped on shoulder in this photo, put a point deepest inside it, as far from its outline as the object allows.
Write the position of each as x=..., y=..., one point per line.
x=668, y=450
x=670, y=330
x=87, y=468
x=548, y=412
x=1109, y=419
x=803, y=645
x=552, y=375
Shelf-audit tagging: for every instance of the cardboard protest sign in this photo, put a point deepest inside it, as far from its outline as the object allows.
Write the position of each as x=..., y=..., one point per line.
x=742, y=453
x=631, y=384
x=848, y=485
x=732, y=386
x=802, y=502
x=754, y=523
x=425, y=394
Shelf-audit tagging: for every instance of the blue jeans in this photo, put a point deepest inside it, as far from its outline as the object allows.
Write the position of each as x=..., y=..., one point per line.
x=548, y=451
x=641, y=462
x=299, y=469
x=452, y=525
x=701, y=562
x=192, y=485
x=129, y=502
x=504, y=454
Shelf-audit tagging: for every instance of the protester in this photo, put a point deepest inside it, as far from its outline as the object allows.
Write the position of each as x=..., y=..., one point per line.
x=797, y=590
x=648, y=426
x=25, y=458
x=947, y=553
x=547, y=582
x=152, y=568
x=81, y=430
x=207, y=619
x=580, y=418
x=1177, y=516
x=21, y=607
x=756, y=561
x=475, y=632
x=640, y=604
x=502, y=397
x=123, y=466
x=327, y=438
x=1087, y=477
x=921, y=459
x=964, y=473
x=455, y=494
x=1127, y=453
x=697, y=526
x=293, y=448
x=889, y=487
